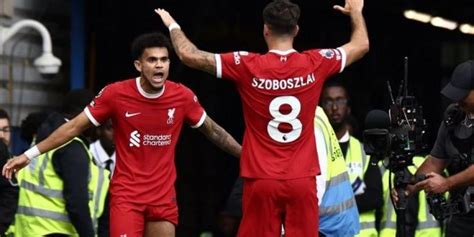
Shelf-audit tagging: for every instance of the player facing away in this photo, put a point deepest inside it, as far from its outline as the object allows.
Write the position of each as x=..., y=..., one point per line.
x=147, y=114
x=279, y=92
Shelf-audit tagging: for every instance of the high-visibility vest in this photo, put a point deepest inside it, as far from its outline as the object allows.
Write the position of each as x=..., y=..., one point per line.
x=358, y=162
x=41, y=205
x=338, y=214
x=427, y=224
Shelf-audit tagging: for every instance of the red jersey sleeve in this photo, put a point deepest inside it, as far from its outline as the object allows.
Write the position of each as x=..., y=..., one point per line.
x=195, y=114
x=328, y=61
x=100, y=109
x=231, y=65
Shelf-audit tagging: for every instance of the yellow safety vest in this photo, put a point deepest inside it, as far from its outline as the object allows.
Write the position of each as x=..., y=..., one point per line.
x=336, y=165
x=427, y=224
x=333, y=149
x=358, y=162
x=41, y=205
x=342, y=211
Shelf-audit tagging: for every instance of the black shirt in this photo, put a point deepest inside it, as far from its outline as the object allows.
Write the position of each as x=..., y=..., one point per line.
x=458, y=225
x=8, y=195
x=71, y=163
x=439, y=147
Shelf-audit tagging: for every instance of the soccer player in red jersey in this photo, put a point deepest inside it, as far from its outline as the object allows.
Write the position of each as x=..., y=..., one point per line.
x=147, y=114
x=279, y=91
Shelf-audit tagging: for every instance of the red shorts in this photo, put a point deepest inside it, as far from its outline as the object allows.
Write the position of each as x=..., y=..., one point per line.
x=268, y=204
x=128, y=219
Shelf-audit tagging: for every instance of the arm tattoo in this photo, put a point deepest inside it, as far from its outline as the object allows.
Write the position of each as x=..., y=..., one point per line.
x=191, y=55
x=220, y=137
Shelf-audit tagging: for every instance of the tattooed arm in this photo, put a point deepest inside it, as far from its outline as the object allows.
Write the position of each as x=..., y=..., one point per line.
x=220, y=137
x=187, y=52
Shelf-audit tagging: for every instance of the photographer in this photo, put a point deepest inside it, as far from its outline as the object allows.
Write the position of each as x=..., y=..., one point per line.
x=8, y=192
x=453, y=150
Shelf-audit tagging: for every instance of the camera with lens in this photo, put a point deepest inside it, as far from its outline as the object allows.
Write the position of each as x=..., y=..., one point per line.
x=397, y=135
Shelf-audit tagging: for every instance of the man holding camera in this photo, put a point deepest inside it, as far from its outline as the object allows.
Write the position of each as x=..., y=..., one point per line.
x=453, y=151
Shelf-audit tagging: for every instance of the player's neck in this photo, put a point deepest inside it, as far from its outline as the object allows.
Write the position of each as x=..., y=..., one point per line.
x=148, y=88
x=280, y=43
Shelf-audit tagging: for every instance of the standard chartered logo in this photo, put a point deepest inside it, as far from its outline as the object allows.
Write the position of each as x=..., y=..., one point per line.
x=149, y=139
x=135, y=139
x=157, y=140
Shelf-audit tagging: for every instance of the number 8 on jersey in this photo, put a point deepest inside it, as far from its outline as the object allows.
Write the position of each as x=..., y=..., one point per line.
x=279, y=118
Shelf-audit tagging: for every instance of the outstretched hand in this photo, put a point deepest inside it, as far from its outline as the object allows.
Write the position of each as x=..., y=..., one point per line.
x=14, y=165
x=165, y=16
x=351, y=6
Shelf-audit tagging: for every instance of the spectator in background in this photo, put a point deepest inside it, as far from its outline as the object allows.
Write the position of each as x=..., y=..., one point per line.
x=62, y=192
x=365, y=178
x=8, y=189
x=103, y=151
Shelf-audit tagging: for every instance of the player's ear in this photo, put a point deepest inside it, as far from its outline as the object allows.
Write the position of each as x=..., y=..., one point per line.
x=295, y=32
x=138, y=65
x=266, y=30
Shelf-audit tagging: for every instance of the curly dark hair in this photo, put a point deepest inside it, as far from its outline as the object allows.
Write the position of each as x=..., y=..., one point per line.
x=281, y=16
x=149, y=40
x=29, y=125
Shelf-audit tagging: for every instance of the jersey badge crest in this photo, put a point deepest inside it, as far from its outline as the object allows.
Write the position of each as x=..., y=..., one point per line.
x=236, y=58
x=171, y=116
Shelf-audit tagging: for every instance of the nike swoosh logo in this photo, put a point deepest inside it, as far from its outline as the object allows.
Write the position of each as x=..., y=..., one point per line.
x=128, y=115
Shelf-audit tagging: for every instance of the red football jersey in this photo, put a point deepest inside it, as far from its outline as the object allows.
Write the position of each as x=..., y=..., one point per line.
x=146, y=130
x=280, y=92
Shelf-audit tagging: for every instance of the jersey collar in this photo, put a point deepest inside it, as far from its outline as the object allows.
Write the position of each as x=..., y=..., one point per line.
x=146, y=94
x=280, y=52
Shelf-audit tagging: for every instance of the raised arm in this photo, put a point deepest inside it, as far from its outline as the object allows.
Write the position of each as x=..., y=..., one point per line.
x=187, y=52
x=220, y=137
x=358, y=46
x=60, y=136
